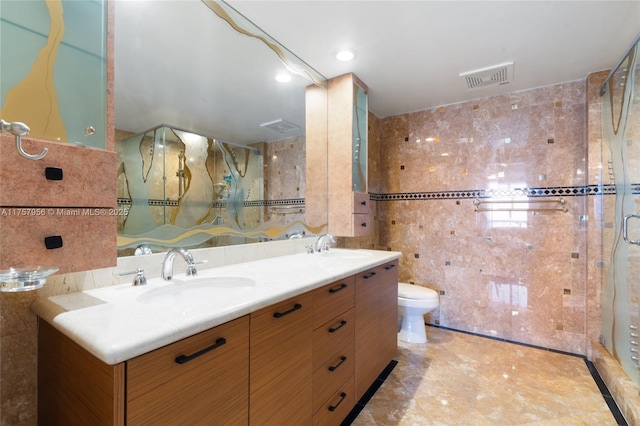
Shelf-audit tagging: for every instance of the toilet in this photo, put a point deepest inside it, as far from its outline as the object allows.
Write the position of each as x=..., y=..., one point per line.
x=413, y=302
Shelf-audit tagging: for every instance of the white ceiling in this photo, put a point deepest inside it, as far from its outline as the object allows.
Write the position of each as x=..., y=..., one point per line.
x=410, y=53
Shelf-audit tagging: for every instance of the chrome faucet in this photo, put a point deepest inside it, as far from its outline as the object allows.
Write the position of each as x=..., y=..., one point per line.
x=322, y=243
x=167, y=264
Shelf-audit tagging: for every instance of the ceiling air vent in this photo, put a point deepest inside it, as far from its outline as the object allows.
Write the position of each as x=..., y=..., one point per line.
x=489, y=76
x=280, y=126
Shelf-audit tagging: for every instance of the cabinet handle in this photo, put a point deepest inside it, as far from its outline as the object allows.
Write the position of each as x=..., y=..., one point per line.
x=364, y=203
x=281, y=314
x=342, y=397
x=390, y=267
x=186, y=358
x=369, y=275
x=364, y=224
x=334, y=329
x=337, y=289
x=334, y=367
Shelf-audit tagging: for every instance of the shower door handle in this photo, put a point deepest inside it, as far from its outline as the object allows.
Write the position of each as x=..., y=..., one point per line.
x=624, y=228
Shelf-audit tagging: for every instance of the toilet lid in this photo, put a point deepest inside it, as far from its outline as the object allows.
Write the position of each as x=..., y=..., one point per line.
x=410, y=291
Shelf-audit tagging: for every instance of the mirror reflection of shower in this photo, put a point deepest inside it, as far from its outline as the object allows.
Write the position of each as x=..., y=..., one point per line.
x=180, y=174
x=221, y=191
x=176, y=178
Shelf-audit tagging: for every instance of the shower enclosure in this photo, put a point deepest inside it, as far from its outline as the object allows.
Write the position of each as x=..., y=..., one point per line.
x=620, y=308
x=179, y=188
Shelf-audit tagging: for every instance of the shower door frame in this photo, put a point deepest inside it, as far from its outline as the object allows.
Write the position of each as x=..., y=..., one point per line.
x=620, y=296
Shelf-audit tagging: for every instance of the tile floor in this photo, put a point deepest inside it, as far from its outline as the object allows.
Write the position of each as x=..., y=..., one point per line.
x=462, y=379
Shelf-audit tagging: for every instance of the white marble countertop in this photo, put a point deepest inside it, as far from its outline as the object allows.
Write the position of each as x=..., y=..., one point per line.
x=117, y=323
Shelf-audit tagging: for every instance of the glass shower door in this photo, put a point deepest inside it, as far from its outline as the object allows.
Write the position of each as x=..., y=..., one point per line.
x=621, y=291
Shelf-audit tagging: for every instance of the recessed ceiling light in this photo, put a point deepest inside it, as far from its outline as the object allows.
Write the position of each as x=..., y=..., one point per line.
x=283, y=78
x=345, y=55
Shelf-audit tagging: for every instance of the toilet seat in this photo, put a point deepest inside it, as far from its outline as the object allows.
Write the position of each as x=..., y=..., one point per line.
x=416, y=292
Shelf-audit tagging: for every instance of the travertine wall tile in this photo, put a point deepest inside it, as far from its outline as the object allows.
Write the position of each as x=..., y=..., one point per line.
x=503, y=274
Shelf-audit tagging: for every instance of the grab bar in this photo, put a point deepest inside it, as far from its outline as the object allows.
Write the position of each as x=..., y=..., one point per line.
x=533, y=209
x=477, y=202
x=287, y=209
x=561, y=208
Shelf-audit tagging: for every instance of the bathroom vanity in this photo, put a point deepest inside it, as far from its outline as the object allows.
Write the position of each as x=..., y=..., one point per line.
x=299, y=346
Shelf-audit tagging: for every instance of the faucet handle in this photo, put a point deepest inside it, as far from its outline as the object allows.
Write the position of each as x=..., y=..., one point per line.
x=310, y=249
x=139, y=279
x=191, y=269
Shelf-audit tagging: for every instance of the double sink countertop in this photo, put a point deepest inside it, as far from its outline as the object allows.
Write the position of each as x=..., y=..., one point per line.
x=117, y=323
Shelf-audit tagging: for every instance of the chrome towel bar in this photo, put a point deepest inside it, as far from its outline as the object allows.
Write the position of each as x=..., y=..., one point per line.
x=532, y=205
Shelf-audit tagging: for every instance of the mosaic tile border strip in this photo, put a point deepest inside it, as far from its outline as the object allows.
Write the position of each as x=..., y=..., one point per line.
x=554, y=191
x=256, y=203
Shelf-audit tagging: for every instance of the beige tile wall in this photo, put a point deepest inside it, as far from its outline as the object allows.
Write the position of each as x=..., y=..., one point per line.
x=522, y=276
x=285, y=164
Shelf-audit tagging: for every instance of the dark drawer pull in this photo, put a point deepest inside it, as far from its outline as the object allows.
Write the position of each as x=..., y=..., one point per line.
x=342, y=397
x=337, y=289
x=364, y=203
x=334, y=329
x=186, y=358
x=334, y=367
x=364, y=224
x=390, y=267
x=53, y=242
x=53, y=173
x=281, y=314
x=369, y=275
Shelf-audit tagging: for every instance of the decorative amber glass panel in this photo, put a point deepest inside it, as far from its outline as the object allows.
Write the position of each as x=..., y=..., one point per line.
x=53, y=69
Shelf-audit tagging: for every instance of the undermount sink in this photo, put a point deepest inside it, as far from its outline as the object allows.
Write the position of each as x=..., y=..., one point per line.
x=197, y=289
x=345, y=254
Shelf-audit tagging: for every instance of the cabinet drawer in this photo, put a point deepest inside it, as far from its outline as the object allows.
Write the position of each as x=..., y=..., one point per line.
x=331, y=337
x=282, y=313
x=331, y=373
x=361, y=224
x=361, y=202
x=336, y=408
x=332, y=299
x=214, y=363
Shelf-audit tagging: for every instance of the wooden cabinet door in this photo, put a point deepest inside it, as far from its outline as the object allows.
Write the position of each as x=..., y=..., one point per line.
x=202, y=380
x=281, y=369
x=74, y=387
x=388, y=313
x=367, y=319
x=376, y=323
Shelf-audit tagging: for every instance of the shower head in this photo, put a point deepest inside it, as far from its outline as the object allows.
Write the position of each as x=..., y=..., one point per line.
x=15, y=128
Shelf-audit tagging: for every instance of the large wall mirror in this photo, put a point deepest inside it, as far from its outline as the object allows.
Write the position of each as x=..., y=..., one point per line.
x=210, y=128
